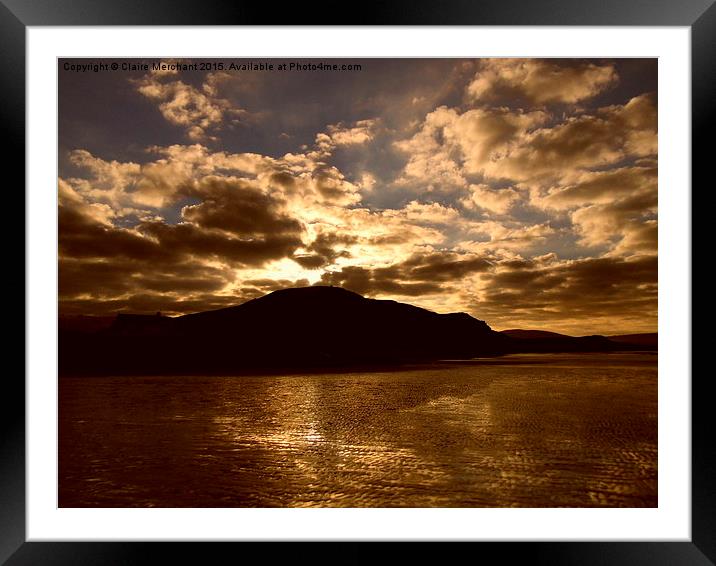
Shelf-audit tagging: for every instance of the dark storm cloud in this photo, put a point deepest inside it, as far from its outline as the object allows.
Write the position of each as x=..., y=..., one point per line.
x=544, y=291
x=155, y=265
x=157, y=242
x=367, y=281
x=442, y=266
x=122, y=276
x=191, y=240
x=326, y=249
x=418, y=275
x=83, y=236
x=234, y=221
x=237, y=207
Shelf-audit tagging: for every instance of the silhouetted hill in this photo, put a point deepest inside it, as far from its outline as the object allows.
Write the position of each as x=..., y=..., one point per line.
x=533, y=334
x=310, y=327
x=83, y=323
x=648, y=340
x=545, y=341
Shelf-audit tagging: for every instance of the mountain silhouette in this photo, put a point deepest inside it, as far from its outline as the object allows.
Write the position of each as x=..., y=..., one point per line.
x=533, y=334
x=292, y=329
x=648, y=340
x=536, y=341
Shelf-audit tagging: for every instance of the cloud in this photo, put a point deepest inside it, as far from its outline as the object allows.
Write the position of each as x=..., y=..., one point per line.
x=607, y=294
x=600, y=187
x=197, y=111
x=498, y=201
x=508, y=193
x=638, y=238
x=450, y=144
x=615, y=208
x=173, y=176
x=328, y=184
x=339, y=135
x=156, y=242
x=602, y=224
x=139, y=301
x=540, y=81
x=519, y=146
x=128, y=275
x=483, y=136
x=507, y=235
x=429, y=213
x=371, y=281
x=420, y=274
x=238, y=207
x=154, y=184
x=234, y=227
x=245, y=211
x=326, y=248
x=430, y=161
x=581, y=142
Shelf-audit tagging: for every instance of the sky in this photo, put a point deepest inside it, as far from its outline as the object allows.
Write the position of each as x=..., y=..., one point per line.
x=520, y=191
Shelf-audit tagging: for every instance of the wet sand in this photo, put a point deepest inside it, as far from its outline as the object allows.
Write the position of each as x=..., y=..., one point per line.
x=548, y=430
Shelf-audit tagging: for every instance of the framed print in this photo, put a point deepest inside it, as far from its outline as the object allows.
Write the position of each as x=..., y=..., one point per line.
x=428, y=280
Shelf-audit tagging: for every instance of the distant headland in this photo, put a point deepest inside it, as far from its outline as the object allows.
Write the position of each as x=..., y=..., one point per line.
x=311, y=328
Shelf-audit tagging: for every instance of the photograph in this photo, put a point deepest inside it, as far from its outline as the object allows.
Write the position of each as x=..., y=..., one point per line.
x=357, y=283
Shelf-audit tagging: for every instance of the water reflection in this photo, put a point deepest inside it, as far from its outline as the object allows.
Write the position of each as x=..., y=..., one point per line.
x=565, y=431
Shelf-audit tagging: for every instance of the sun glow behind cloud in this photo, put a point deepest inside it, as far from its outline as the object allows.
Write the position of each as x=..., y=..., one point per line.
x=521, y=191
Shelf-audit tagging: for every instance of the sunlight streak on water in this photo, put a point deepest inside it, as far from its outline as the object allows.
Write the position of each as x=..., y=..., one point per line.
x=562, y=431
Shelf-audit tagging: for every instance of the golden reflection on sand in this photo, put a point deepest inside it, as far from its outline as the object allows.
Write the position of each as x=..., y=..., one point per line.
x=571, y=432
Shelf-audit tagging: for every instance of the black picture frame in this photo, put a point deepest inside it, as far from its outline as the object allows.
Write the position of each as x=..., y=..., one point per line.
x=16, y=15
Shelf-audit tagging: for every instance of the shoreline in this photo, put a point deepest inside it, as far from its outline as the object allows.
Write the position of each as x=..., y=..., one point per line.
x=512, y=359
